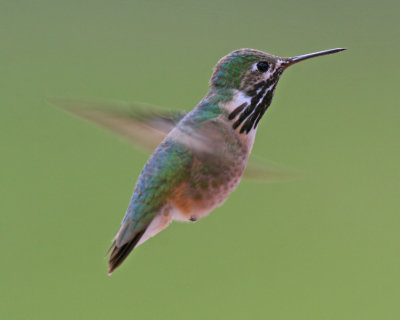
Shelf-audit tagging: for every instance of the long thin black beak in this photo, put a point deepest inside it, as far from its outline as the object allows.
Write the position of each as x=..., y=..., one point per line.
x=296, y=59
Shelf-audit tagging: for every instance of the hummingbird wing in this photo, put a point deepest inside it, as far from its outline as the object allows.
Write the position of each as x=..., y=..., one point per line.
x=145, y=126
x=168, y=166
x=140, y=124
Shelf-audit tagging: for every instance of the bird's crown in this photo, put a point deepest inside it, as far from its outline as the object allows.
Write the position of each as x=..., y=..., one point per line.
x=244, y=67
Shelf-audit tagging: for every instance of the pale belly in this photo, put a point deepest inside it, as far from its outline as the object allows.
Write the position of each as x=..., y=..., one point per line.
x=212, y=179
x=195, y=204
x=189, y=205
x=210, y=184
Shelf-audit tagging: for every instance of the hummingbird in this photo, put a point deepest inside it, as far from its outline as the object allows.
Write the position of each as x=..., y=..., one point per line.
x=203, y=154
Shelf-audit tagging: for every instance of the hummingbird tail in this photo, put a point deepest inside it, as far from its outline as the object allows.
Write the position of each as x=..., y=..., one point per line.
x=119, y=254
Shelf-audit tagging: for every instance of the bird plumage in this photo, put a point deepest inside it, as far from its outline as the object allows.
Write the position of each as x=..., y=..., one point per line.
x=190, y=173
x=203, y=153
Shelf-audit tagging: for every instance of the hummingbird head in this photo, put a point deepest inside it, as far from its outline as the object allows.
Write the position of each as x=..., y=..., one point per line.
x=253, y=76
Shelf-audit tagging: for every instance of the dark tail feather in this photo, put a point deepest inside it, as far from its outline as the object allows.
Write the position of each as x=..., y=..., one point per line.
x=118, y=255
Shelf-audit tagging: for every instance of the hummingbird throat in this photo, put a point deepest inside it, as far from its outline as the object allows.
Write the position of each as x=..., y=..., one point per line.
x=252, y=107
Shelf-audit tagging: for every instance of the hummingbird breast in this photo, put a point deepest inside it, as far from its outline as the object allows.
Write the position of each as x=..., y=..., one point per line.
x=218, y=164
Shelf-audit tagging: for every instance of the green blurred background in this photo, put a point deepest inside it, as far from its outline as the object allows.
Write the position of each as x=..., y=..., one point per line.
x=323, y=247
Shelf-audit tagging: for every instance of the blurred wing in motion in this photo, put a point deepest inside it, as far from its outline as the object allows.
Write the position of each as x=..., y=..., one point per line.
x=262, y=170
x=146, y=126
x=140, y=124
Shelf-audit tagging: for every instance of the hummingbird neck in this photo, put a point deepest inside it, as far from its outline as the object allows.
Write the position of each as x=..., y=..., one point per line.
x=248, y=106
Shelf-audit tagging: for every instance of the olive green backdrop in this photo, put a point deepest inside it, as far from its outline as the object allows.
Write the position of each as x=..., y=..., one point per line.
x=323, y=247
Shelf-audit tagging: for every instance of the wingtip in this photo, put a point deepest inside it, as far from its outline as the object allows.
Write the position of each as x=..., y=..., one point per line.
x=119, y=254
x=53, y=101
x=109, y=250
x=111, y=268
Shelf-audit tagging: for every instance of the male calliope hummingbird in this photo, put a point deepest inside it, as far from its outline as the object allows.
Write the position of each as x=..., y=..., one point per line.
x=203, y=153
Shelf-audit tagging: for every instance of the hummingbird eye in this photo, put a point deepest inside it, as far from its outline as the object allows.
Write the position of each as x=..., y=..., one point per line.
x=262, y=66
